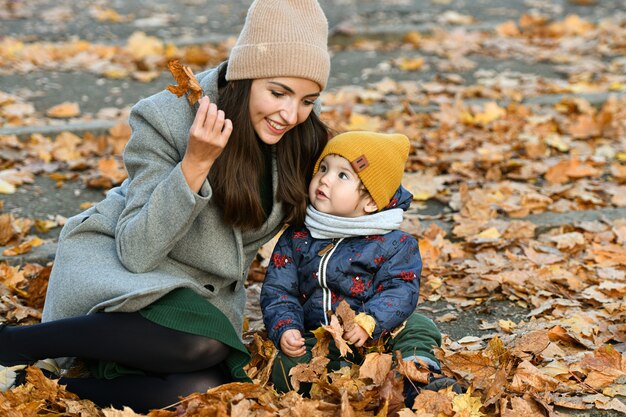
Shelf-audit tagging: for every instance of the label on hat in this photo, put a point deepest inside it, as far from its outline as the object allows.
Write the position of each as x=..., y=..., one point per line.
x=360, y=163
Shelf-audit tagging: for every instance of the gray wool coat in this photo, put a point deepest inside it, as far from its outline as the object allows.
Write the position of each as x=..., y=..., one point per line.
x=152, y=234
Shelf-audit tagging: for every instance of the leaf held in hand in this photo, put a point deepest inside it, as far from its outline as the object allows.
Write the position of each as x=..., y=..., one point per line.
x=187, y=83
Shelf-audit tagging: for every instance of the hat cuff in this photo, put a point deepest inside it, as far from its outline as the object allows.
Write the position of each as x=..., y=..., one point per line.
x=288, y=59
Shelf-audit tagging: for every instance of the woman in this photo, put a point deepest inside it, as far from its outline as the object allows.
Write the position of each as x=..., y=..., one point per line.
x=148, y=285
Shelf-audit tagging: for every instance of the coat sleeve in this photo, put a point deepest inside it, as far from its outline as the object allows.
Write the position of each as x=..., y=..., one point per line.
x=397, y=285
x=160, y=206
x=280, y=291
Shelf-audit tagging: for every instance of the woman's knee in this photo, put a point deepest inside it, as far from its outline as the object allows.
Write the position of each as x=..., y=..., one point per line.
x=202, y=352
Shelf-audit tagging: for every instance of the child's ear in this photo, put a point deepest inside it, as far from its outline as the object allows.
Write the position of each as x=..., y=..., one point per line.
x=370, y=205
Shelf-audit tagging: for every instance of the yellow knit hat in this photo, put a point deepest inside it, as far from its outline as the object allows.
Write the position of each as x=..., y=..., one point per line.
x=282, y=38
x=377, y=158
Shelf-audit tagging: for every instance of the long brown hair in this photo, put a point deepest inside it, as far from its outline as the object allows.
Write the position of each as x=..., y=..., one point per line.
x=235, y=176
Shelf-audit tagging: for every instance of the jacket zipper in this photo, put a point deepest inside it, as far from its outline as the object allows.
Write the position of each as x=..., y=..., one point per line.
x=326, y=253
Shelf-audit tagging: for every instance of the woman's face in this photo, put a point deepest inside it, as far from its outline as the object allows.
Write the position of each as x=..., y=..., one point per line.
x=279, y=104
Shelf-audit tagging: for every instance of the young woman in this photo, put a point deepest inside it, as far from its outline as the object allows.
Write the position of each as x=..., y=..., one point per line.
x=148, y=285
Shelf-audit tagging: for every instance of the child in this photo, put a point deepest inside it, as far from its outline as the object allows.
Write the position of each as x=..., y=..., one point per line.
x=350, y=249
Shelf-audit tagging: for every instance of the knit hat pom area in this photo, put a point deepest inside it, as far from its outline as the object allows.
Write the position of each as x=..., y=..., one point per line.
x=282, y=38
x=378, y=159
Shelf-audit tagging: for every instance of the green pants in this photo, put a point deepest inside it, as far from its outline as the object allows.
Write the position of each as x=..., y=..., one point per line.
x=418, y=338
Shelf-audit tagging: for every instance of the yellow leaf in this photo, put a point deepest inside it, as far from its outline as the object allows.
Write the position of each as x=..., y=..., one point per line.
x=491, y=233
x=366, y=322
x=141, y=46
x=116, y=73
x=621, y=156
x=363, y=122
x=23, y=248
x=507, y=325
x=467, y=405
x=6, y=188
x=411, y=64
x=414, y=38
x=492, y=112
x=556, y=141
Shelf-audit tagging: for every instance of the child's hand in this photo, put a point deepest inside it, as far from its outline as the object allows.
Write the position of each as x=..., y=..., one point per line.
x=357, y=336
x=292, y=343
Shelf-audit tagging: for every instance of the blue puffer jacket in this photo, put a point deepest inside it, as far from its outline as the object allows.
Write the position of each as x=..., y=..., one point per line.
x=378, y=275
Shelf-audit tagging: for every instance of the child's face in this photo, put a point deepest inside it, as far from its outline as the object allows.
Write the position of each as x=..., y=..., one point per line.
x=336, y=189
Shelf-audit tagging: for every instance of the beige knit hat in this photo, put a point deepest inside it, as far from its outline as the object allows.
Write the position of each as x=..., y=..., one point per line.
x=282, y=38
x=377, y=158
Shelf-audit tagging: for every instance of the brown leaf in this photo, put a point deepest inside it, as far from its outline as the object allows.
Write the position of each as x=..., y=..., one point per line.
x=435, y=403
x=606, y=365
x=528, y=377
x=346, y=315
x=346, y=408
x=376, y=367
x=391, y=394
x=336, y=331
x=308, y=372
x=520, y=407
x=323, y=338
x=530, y=343
x=186, y=82
x=263, y=353
x=410, y=371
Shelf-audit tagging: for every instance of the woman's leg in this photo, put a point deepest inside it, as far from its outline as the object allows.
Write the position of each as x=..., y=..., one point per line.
x=126, y=338
x=144, y=392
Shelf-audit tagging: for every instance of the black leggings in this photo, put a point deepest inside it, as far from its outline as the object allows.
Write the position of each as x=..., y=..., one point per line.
x=177, y=363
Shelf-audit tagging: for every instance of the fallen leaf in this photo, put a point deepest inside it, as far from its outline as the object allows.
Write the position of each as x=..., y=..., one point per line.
x=64, y=110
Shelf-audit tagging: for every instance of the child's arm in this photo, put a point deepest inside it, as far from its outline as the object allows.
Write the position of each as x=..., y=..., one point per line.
x=279, y=294
x=397, y=283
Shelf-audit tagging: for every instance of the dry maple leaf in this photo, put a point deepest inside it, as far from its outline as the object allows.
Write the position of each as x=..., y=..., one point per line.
x=346, y=314
x=186, y=82
x=410, y=371
x=308, y=372
x=336, y=331
x=376, y=367
x=434, y=403
x=322, y=343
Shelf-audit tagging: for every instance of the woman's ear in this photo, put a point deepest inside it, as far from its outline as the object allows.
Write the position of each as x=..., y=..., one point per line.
x=370, y=205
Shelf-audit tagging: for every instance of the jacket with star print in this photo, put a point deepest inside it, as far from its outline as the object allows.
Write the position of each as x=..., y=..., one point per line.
x=378, y=275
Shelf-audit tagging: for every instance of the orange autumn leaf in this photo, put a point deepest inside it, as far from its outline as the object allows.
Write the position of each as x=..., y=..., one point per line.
x=23, y=248
x=113, y=169
x=508, y=28
x=64, y=110
x=565, y=170
x=187, y=83
x=607, y=255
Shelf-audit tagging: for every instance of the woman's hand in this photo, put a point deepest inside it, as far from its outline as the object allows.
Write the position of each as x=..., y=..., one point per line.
x=292, y=343
x=208, y=136
x=357, y=336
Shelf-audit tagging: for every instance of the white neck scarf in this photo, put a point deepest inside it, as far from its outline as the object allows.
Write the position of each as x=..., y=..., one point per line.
x=327, y=226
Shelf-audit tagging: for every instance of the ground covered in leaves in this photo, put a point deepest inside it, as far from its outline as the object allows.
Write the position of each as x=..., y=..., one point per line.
x=485, y=151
